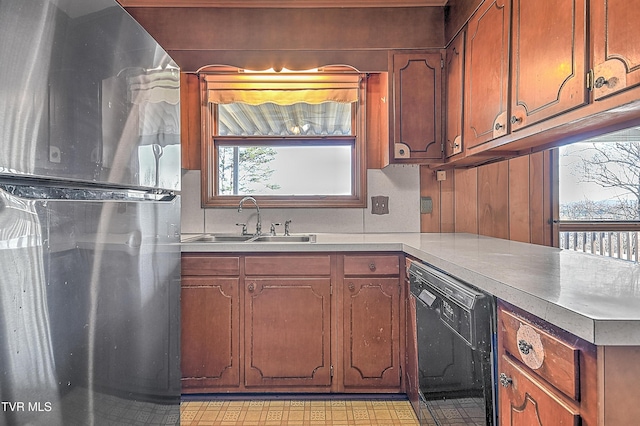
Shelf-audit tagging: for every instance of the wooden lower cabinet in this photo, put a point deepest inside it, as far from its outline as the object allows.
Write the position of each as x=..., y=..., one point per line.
x=210, y=332
x=371, y=332
x=287, y=332
x=546, y=376
x=527, y=401
x=291, y=322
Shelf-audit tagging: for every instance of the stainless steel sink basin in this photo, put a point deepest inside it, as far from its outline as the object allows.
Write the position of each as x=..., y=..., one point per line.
x=220, y=238
x=235, y=238
x=307, y=238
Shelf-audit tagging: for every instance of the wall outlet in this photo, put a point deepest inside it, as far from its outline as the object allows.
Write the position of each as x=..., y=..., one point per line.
x=380, y=205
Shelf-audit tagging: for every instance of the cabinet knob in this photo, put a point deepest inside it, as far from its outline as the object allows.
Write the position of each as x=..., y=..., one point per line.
x=524, y=347
x=601, y=82
x=515, y=119
x=505, y=380
x=352, y=287
x=499, y=126
x=251, y=287
x=372, y=266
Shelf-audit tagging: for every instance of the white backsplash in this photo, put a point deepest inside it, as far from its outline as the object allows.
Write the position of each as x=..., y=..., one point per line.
x=401, y=183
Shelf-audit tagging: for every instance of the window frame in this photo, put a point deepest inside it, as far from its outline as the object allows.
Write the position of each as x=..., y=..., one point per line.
x=211, y=142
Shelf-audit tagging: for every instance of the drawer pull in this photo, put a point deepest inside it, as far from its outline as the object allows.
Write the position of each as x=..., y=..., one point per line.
x=372, y=266
x=524, y=347
x=505, y=381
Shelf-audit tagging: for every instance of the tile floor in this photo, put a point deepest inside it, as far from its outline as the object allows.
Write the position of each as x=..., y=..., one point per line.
x=371, y=412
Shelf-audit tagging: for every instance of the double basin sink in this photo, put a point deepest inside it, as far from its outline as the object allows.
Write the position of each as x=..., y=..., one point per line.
x=266, y=238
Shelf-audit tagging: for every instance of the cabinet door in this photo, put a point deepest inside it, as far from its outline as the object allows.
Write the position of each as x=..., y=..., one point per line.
x=454, y=82
x=524, y=401
x=616, y=45
x=417, y=106
x=287, y=332
x=548, y=62
x=371, y=325
x=210, y=333
x=487, y=73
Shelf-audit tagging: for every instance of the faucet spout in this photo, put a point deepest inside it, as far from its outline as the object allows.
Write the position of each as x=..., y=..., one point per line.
x=255, y=203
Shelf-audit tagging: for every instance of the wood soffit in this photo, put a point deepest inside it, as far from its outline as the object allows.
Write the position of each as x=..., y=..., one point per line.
x=282, y=3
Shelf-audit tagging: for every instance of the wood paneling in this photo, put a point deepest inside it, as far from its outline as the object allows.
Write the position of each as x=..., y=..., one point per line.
x=457, y=13
x=493, y=200
x=512, y=199
x=261, y=37
x=430, y=187
x=190, y=121
x=466, y=200
x=519, y=193
x=377, y=123
x=282, y=3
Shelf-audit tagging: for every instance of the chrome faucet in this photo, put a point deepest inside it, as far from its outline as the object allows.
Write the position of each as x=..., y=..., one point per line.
x=253, y=200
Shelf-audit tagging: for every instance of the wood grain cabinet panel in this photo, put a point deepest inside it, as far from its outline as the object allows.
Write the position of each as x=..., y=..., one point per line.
x=548, y=59
x=616, y=46
x=417, y=112
x=526, y=402
x=287, y=332
x=548, y=356
x=210, y=333
x=371, y=332
x=487, y=73
x=371, y=265
x=454, y=83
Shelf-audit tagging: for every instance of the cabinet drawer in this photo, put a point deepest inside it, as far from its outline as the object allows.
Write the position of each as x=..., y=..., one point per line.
x=288, y=265
x=202, y=264
x=371, y=265
x=545, y=354
x=524, y=400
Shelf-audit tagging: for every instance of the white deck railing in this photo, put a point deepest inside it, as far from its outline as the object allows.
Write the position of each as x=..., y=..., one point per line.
x=604, y=238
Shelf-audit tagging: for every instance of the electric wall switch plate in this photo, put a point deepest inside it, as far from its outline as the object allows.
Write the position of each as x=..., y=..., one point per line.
x=380, y=205
x=441, y=175
x=426, y=205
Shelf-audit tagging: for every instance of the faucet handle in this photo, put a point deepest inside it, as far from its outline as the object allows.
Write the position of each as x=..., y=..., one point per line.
x=272, y=231
x=244, y=228
x=287, y=223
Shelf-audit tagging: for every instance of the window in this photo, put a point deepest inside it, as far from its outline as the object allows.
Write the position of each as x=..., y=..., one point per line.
x=600, y=178
x=288, y=139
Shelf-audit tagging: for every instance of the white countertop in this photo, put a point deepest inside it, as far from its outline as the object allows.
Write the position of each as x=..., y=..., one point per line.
x=593, y=297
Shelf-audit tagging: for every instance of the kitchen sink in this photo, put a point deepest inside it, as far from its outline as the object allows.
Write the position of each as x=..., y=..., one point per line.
x=306, y=238
x=235, y=238
x=219, y=238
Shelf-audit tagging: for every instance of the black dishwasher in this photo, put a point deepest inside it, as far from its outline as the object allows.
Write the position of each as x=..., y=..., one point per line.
x=455, y=340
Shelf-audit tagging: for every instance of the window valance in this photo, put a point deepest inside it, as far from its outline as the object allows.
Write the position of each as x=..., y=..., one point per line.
x=279, y=89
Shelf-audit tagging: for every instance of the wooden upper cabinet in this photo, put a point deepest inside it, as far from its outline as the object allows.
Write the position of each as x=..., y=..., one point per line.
x=417, y=107
x=548, y=60
x=487, y=73
x=616, y=46
x=454, y=83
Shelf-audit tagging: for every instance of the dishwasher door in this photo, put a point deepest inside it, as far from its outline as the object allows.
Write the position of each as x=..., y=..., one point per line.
x=455, y=359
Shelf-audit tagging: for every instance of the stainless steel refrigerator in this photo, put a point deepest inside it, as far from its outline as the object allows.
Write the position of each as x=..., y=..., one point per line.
x=89, y=218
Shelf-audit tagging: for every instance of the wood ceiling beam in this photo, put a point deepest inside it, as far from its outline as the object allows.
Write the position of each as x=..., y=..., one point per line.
x=282, y=3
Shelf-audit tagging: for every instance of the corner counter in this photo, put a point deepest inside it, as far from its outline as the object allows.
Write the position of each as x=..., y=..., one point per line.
x=592, y=297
